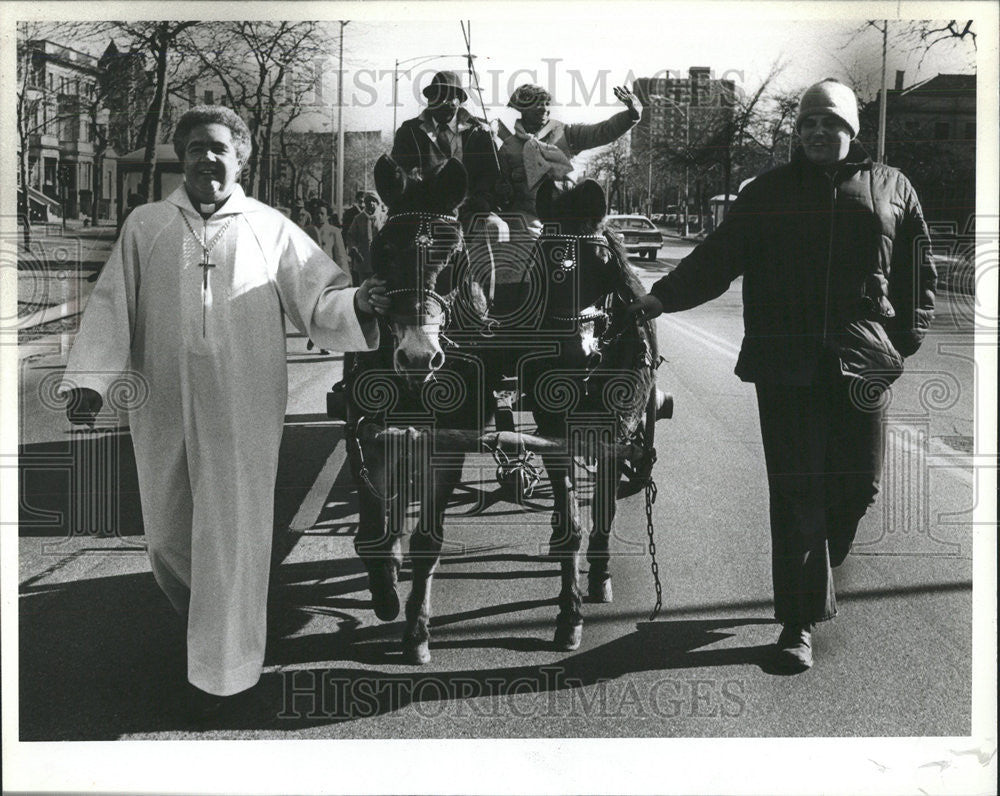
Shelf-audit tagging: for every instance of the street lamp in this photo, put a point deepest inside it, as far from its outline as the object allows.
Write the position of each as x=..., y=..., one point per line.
x=416, y=60
x=686, y=110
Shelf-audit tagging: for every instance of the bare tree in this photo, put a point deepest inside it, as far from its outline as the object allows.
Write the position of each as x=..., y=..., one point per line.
x=929, y=35
x=726, y=140
x=305, y=157
x=613, y=165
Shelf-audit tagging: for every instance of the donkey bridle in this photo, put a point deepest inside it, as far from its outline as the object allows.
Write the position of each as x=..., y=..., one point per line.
x=423, y=240
x=593, y=313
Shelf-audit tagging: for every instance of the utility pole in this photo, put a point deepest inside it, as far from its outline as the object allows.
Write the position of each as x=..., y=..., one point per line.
x=340, y=125
x=880, y=156
x=649, y=175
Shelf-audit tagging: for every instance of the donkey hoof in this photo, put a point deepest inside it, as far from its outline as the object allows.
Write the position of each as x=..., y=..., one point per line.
x=599, y=590
x=382, y=583
x=416, y=653
x=568, y=637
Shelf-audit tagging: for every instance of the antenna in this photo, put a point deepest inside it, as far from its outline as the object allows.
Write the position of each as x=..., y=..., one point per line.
x=474, y=80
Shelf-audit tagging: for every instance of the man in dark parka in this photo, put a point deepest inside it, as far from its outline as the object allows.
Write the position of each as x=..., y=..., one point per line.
x=838, y=287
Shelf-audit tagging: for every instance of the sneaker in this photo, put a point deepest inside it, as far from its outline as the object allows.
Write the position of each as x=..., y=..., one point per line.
x=794, y=648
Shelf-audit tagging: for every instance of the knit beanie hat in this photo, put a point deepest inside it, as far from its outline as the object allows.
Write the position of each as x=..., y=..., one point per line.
x=830, y=96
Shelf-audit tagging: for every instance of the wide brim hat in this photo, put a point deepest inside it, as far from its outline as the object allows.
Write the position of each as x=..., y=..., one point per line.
x=445, y=84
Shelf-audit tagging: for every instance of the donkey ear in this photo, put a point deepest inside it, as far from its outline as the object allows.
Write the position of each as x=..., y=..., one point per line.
x=589, y=201
x=390, y=180
x=450, y=183
x=545, y=199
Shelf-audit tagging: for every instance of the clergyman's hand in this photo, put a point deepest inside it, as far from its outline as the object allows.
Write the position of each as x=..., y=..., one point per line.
x=83, y=405
x=643, y=309
x=371, y=297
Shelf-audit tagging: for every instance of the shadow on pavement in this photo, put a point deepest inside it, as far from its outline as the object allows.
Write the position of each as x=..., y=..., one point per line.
x=103, y=657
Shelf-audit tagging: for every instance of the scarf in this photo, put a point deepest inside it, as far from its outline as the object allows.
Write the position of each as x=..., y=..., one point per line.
x=541, y=159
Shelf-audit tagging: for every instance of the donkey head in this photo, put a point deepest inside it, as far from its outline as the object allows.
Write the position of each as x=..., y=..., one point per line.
x=581, y=268
x=417, y=252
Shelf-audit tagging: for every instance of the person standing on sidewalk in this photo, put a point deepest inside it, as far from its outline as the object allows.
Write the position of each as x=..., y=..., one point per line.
x=838, y=287
x=351, y=212
x=360, y=237
x=332, y=244
x=191, y=305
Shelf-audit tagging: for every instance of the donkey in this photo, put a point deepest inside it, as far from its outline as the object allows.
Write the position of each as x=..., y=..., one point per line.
x=417, y=379
x=594, y=388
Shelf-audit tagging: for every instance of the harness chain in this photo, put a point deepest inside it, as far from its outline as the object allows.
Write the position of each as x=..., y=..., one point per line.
x=650, y=500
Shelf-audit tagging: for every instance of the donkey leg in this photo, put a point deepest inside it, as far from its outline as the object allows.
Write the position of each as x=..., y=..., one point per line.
x=603, y=516
x=425, y=552
x=567, y=530
x=377, y=542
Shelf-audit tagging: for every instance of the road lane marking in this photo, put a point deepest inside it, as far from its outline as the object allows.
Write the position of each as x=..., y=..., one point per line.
x=312, y=506
x=936, y=455
x=723, y=346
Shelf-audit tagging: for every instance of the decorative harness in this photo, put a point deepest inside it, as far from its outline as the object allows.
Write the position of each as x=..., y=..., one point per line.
x=424, y=241
x=569, y=259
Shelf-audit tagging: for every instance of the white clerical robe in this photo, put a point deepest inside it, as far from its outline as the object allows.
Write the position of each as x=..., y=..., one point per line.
x=212, y=354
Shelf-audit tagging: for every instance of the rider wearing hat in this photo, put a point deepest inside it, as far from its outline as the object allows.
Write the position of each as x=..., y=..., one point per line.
x=443, y=130
x=542, y=147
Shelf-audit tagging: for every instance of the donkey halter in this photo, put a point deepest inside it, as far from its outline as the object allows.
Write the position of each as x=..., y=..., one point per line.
x=424, y=242
x=569, y=260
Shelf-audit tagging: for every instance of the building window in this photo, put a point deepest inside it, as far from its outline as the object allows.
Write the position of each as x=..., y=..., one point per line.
x=209, y=98
x=941, y=131
x=970, y=131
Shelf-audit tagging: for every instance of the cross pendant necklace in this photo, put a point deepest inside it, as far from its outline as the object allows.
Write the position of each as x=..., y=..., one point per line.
x=205, y=264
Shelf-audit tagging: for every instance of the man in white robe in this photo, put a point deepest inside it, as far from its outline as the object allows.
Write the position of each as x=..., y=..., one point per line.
x=209, y=344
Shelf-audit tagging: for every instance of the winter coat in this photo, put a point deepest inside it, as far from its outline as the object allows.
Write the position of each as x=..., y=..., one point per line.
x=572, y=139
x=836, y=266
x=416, y=150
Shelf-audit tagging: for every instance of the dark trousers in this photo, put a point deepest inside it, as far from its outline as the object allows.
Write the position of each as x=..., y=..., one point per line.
x=824, y=461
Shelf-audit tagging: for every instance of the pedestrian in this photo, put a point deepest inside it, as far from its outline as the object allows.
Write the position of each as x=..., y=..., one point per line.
x=542, y=147
x=191, y=304
x=446, y=129
x=332, y=244
x=360, y=235
x=353, y=210
x=330, y=239
x=306, y=222
x=838, y=287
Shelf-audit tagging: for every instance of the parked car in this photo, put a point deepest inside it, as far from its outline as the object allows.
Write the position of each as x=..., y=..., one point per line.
x=638, y=234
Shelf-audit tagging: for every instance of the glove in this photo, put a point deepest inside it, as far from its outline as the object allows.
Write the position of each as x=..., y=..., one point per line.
x=643, y=309
x=83, y=405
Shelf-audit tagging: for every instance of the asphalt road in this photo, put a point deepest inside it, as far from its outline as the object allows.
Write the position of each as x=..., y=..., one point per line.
x=100, y=651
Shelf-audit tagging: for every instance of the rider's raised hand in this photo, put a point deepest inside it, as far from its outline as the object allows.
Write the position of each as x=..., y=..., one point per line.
x=371, y=296
x=83, y=406
x=644, y=309
x=630, y=100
